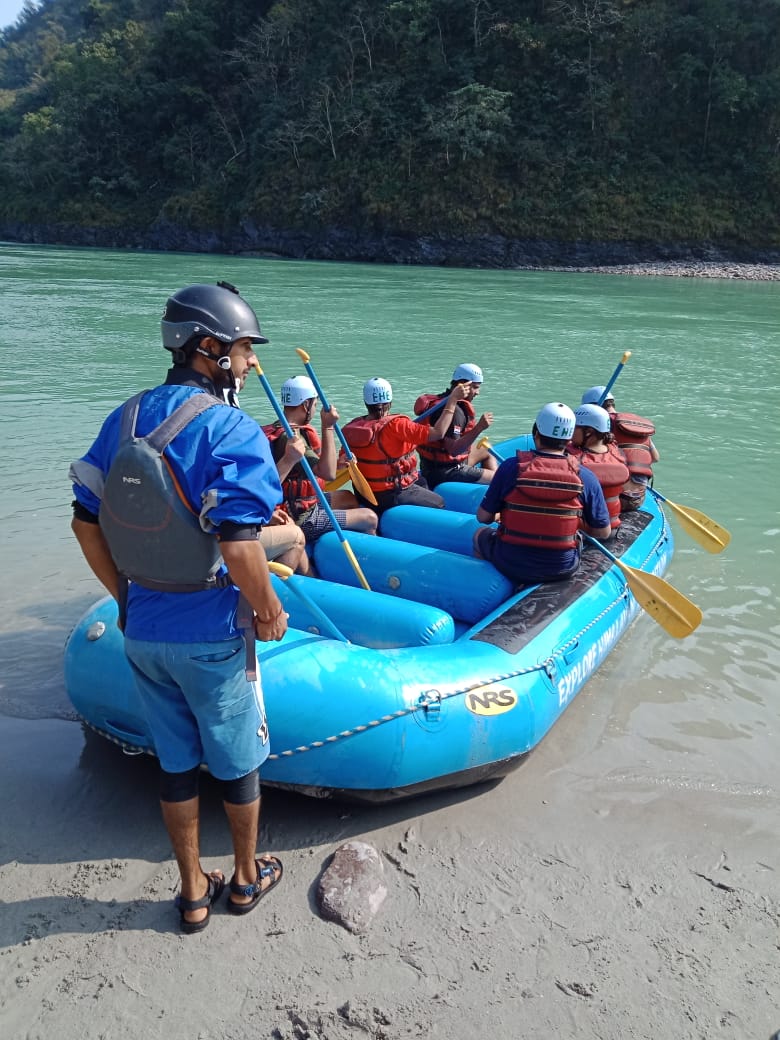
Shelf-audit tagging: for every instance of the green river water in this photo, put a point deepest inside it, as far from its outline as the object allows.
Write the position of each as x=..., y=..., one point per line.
x=80, y=333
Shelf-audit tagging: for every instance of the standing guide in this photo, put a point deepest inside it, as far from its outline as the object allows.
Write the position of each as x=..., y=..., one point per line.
x=169, y=503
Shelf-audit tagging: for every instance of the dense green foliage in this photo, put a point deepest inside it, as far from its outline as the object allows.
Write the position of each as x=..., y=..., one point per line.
x=591, y=119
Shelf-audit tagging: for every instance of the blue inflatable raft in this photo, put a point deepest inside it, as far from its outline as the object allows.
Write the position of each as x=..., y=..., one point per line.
x=441, y=676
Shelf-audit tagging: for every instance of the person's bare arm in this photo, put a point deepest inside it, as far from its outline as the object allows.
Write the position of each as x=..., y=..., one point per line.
x=484, y=516
x=326, y=467
x=294, y=451
x=95, y=549
x=601, y=533
x=456, y=446
x=437, y=432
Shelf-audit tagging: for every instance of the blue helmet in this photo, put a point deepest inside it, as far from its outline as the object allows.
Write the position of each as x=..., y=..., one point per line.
x=467, y=373
x=593, y=395
x=593, y=415
x=556, y=421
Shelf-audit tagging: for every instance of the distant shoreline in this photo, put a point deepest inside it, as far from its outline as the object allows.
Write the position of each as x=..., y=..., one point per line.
x=478, y=252
x=662, y=268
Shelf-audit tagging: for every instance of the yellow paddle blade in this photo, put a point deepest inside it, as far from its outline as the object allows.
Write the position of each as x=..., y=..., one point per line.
x=665, y=604
x=342, y=477
x=359, y=482
x=280, y=570
x=702, y=528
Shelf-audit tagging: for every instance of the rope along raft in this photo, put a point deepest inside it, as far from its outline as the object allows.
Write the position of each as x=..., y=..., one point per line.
x=426, y=700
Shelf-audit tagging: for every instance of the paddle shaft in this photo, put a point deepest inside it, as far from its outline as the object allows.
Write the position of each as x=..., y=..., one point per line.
x=615, y=374
x=431, y=410
x=314, y=482
x=286, y=574
x=321, y=394
x=359, y=482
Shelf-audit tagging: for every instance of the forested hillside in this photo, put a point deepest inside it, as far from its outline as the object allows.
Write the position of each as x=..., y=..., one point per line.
x=569, y=119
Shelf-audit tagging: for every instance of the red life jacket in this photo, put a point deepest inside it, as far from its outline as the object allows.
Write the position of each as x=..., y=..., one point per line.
x=632, y=436
x=544, y=507
x=298, y=490
x=434, y=452
x=610, y=468
x=382, y=470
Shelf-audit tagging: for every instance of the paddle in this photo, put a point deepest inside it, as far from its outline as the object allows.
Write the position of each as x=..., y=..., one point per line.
x=294, y=581
x=315, y=483
x=615, y=374
x=429, y=411
x=484, y=442
x=665, y=605
x=359, y=482
x=702, y=528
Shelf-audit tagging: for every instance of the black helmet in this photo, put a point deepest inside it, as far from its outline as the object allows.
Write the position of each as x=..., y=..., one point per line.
x=208, y=310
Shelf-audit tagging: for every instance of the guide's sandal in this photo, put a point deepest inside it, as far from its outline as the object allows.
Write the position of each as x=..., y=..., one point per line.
x=213, y=892
x=267, y=867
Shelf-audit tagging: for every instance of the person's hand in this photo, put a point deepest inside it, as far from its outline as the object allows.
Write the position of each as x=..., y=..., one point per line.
x=279, y=517
x=295, y=449
x=460, y=392
x=268, y=631
x=329, y=417
x=485, y=421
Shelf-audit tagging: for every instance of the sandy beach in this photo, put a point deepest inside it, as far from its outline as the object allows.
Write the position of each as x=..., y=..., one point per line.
x=586, y=898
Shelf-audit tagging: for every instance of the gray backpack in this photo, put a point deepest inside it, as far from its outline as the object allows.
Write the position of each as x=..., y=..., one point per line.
x=155, y=538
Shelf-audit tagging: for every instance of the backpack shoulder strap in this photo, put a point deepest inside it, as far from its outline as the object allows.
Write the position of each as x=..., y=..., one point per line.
x=162, y=435
x=129, y=416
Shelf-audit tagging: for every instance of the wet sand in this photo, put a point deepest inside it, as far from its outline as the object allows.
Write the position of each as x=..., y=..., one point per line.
x=595, y=898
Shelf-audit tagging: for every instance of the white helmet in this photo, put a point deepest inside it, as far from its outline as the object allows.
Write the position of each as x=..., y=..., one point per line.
x=593, y=415
x=470, y=373
x=297, y=390
x=377, y=391
x=593, y=395
x=556, y=421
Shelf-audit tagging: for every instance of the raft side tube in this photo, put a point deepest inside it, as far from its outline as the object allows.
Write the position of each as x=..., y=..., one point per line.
x=436, y=528
x=464, y=587
x=371, y=619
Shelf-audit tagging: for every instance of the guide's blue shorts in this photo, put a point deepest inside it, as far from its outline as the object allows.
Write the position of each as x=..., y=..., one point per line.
x=200, y=707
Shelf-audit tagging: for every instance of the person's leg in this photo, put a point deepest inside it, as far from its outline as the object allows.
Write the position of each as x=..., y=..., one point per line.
x=182, y=823
x=417, y=495
x=364, y=520
x=244, y=823
x=252, y=876
x=482, y=457
x=179, y=804
x=286, y=544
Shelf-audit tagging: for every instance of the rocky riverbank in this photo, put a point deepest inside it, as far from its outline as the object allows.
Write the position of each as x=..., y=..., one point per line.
x=678, y=259
x=746, y=272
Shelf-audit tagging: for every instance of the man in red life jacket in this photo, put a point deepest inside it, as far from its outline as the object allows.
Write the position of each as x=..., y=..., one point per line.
x=633, y=436
x=299, y=399
x=593, y=444
x=544, y=498
x=455, y=456
x=281, y=538
x=384, y=447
